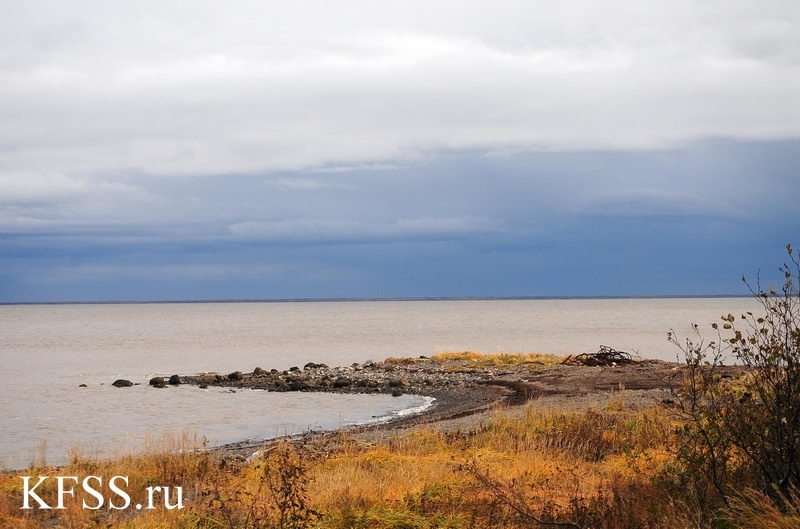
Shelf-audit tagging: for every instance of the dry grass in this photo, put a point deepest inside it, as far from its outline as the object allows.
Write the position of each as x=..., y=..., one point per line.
x=755, y=511
x=475, y=359
x=600, y=469
x=498, y=359
x=557, y=464
x=413, y=480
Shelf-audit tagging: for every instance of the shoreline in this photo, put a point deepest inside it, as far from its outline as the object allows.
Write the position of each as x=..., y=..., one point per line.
x=465, y=390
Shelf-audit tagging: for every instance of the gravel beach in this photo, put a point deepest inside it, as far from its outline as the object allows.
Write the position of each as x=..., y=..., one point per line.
x=466, y=392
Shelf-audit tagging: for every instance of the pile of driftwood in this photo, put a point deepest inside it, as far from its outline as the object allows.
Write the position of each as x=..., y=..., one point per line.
x=606, y=356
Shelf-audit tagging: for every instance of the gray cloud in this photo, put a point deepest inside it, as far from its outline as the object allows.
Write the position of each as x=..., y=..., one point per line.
x=217, y=136
x=656, y=204
x=334, y=231
x=218, y=88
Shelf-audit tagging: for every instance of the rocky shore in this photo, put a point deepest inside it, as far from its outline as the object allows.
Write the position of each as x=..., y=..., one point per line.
x=458, y=389
x=417, y=376
x=461, y=387
x=425, y=376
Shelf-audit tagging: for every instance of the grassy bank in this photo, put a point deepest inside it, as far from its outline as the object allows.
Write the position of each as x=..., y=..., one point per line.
x=609, y=467
x=477, y=359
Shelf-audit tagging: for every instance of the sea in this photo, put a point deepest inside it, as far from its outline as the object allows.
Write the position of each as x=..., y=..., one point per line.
x=48, y=351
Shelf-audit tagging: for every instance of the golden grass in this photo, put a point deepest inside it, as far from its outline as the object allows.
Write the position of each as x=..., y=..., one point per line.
x=498, y=359
x=599, y=467
x=476, y=359
x=410, y=480
x=755, y=511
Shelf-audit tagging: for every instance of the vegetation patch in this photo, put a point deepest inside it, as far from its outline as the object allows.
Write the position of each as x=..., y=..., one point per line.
x=497, y=359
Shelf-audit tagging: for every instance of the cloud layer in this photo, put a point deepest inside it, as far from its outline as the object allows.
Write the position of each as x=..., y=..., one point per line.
x=220, y=88
x=215, y=136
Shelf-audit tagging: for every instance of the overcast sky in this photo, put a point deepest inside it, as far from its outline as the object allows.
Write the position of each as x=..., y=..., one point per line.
x=220, y=150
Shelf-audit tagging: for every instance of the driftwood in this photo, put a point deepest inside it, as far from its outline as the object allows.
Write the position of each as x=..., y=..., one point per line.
x=606, y=356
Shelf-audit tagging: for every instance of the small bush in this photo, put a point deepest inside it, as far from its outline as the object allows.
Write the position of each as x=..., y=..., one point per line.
x=742, y=427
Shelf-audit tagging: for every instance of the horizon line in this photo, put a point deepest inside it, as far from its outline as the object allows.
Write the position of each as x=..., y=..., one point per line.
x=373, y=299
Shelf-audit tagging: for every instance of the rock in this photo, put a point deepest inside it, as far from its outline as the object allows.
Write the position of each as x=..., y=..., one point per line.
x=157, y=382
x=259, y=372
x=122, y=383
x=396, y=393
x=203, y=386
x=273, y=371
x=294, y=369
x=236, y=375
x=297, y=385
x=312, y=365
x=83, y=386
x=396, y=383
x=342, y=382
x=175, y=380
x=219, y=378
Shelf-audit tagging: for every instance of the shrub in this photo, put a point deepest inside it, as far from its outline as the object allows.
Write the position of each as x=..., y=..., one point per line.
x=742, y=425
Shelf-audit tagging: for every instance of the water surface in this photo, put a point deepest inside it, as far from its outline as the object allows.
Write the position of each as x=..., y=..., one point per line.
x=46, y=351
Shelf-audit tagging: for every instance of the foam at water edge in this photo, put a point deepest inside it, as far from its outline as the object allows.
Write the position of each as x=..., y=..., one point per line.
x=408, y=412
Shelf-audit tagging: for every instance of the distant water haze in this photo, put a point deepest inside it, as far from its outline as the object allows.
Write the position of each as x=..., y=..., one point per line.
x=46, y=351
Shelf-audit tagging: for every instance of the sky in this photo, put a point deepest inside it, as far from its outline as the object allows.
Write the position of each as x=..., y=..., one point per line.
x=312, y=149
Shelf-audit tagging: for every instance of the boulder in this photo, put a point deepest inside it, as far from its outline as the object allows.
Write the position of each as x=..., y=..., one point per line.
x=157, y=382
x=297, y=385
x=236, y=375
x=122, y=383
x=342, y=382
x=175, y=380
x=259, y=372
x=313, y=365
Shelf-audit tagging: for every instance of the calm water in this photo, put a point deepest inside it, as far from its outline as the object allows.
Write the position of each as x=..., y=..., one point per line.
x=46, y=351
